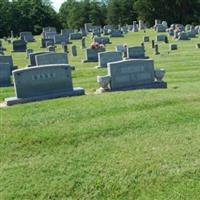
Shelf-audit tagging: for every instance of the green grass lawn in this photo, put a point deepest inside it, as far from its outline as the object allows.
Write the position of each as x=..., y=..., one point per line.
x=142, y=144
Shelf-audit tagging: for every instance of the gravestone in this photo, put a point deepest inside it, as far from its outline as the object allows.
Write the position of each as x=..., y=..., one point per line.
x=91, y=54
x=51, y=58
x=75, y=36
x=51, y=48
x=173, y=47
x=43, y=82
x=160, y=28
x=11, y=34
x=50, y=35
x=47, y=42
x=191, y=33
x=59, y=39
x=67, y=32
x=83, y=43
x=65, y=49
x=102, y=40
x=120, y=48
x=146, y=38
x=19, y=46
x=141, y=25
x=49, y=29
x=26, y=36
x=161, y=38
x=198, y=46
x=133, y=74
x=106, y=57
x=9, y=60
x=135, y=27
x=74, y=50
x=32, y=58
x=156, y=51
x=137, y=52
x=28, y=52
x=88, y=27
x=182, y=36
x=116, y=33
x=5, y=73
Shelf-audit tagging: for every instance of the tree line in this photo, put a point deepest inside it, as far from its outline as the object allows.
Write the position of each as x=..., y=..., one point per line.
x=32, y=15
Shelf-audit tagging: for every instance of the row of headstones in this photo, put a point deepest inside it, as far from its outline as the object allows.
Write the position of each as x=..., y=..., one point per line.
x=52, y=81
x=178, y=31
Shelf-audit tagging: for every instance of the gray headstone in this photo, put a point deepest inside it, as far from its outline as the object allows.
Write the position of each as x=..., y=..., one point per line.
x=74, y=50
x=83, y=43
x=116, y=33
x=156, y=50
x=9, y=60
x=91, y=55
x=47, y=42
x=102, y=40
x=32, y=58
x=136, y=52
x=26, y=36
x=160, y=38
x=5, y=74
x=51, y=58
x=146, y=39
x=19, y=46
x=130, y=73
x=51, y=48
x=107, y=57
x=173, y=47
x=28, y=52
x=76, y=36
x=43, y=82
x=135, y=27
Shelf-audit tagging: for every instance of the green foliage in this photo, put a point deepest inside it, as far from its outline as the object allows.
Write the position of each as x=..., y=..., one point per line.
x=32, y=15
x=26, y=15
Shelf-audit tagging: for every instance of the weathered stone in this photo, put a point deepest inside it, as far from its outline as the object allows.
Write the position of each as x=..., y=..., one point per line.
x=43, y=82
x=91, y=55
x=74, y=50
x=51, y=58
x=27, y=36
x=5, y=74
x=173, y=47
x=134, y=74
x=19, y=46
x=106, y=57
x=137, y=52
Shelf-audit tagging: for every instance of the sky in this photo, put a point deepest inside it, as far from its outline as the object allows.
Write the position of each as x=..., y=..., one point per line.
x=57, y=4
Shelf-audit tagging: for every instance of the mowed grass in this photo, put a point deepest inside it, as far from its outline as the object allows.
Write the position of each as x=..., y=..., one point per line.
x=142, y=144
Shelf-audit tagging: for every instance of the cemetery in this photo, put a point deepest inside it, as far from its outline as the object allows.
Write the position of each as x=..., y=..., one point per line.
x=108, y=111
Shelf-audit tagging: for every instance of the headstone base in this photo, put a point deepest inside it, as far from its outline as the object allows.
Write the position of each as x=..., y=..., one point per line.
x=155, y=85
x=87, y=61
x=6, y=84
x=14, y=100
